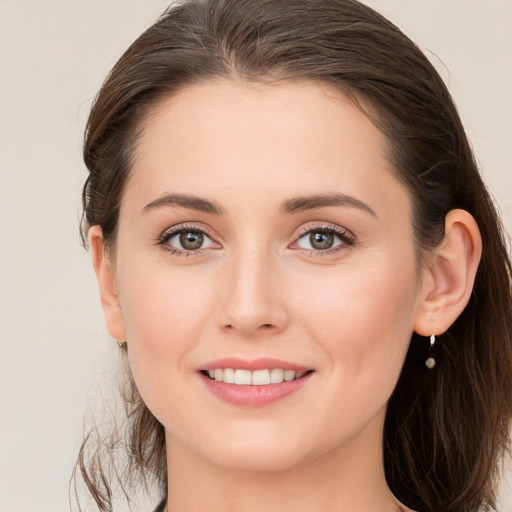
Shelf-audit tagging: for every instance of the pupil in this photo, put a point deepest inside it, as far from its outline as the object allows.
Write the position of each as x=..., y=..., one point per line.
x=191, y=240
x=321, y=240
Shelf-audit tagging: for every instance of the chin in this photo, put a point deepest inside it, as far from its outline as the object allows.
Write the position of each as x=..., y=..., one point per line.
x=263, y=453
x=258, y=461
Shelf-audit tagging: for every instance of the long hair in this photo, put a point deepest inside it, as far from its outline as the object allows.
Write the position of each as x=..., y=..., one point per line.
x=445, y=430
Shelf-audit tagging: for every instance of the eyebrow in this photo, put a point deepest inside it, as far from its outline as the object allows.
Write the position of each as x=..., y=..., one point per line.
x=290, y=206
x=185, y=201
x=301, y=204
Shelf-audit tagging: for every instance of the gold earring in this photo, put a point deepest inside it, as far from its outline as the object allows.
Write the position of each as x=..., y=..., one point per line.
x=431, y=362
x=122, y=344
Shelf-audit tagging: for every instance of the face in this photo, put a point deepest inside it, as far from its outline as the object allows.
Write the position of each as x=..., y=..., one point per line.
x=264, y=238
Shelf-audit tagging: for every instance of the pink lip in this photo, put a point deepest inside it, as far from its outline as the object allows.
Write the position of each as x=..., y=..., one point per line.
x=262, y=363
x=253, y=396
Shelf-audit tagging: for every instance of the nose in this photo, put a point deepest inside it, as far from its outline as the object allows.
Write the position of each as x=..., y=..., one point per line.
x=253, y=299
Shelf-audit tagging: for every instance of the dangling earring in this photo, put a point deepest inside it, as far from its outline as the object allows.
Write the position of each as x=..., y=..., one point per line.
x=122, y=344
x=431, y=362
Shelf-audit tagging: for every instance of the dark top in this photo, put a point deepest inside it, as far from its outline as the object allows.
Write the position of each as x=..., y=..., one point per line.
x=161, y=506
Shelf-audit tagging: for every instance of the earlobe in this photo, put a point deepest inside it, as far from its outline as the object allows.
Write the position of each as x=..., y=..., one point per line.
x=449, y=278
x=107, y=285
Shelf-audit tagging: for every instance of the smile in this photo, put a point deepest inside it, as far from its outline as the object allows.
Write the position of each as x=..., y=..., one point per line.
x=254, y=383
x=262, y=377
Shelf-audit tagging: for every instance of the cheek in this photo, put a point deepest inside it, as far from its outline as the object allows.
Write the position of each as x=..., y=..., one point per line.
x=362, y=325
x=165, y=312
x=160, y=303
x=363, y=317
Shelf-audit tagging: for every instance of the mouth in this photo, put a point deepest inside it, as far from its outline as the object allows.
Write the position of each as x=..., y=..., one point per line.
x=264, y=377
x=254, y=383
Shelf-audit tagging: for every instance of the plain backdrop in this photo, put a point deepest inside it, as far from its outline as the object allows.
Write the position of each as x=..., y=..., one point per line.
x=54, y=349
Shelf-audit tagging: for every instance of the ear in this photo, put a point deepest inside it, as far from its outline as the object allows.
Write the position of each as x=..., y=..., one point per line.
x=107, y=285
x=448, y=280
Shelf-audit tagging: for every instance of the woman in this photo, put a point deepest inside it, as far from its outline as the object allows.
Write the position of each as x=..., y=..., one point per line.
x=296, y=251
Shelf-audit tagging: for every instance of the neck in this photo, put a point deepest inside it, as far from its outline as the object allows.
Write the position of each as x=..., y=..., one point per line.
x=345, y=479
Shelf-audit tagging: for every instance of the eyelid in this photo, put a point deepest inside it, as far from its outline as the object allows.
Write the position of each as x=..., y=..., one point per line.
x=323, y=226
x=347, y=238
x=184, y=226
x=187, y=226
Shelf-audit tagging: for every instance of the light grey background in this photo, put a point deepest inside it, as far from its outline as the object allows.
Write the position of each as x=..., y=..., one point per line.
x=54, y=349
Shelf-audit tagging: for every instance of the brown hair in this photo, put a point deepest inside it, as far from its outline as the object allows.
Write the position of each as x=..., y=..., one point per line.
x=446, y=429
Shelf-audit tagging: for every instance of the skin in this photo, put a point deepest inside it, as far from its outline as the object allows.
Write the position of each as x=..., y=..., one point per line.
x=258, y=288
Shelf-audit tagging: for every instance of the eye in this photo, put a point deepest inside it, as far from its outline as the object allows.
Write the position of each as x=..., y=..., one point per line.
x=189, y=240
x=186, y=240
x=325, y=239
x=320, y=240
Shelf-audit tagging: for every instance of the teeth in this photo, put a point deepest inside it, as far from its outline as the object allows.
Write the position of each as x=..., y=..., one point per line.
x=289, y=375
x=260, y=378
x=242, y=377
x=229, y=376
x=276, y=375
x=255, y=378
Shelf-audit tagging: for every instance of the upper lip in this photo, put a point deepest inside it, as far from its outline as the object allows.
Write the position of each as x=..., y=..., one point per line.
x=262, y=363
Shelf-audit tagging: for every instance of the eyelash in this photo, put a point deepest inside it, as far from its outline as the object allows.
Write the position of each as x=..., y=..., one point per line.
x=184, y=228
x=347, y=239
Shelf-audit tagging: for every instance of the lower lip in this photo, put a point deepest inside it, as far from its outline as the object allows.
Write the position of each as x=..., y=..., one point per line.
x=254, y=396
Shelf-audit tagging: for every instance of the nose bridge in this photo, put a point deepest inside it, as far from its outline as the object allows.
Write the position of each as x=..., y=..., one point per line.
x=252, y=300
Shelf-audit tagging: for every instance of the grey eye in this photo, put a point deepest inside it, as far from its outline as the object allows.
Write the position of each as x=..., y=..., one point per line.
x=321, y=240
x=191, y=240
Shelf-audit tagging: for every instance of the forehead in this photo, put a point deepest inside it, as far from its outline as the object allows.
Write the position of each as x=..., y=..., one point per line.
x=253, y=138
x=298, y=108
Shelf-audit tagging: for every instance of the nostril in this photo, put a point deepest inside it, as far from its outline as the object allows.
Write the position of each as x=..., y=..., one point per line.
x=265, y=327
x=248, y=329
